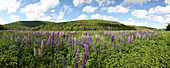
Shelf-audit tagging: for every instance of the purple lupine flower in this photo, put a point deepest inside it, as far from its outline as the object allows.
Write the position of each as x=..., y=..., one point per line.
x=112, y=38
x=94, y=47
x=72, y=44
x=113, y=45
x=22, y=42
x=58, y=47
x=116, y=44
x=26, y=44
x=108, y=52
x=104, y=43
x=63, y=61
x=76, y=58
x=86, y=48
x=39, y=44
x=157, y=38
x=120, y=48
x=83, y=60
x=30, y=40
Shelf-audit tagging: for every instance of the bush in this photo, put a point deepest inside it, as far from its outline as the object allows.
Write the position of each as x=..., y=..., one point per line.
x=2, y=27
x=168, y=27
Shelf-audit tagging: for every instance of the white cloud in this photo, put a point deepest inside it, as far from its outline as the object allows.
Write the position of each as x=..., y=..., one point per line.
x=130, y=21
x=63, y=11
x=67, y=9
x=14, y=17
x=10, y=5
x=104, y=17
x=142, y=24
x=167, y=16
x=61, y=15
x=37, y=10
x=105, y=2
x=89, y=9
x=46, y=18
x=139, y=13
x=104, y=8
x=81, y=2
x=155, y=18
x=58, y=21
x=2, y=22
x=160, y=9
x=134, y=2
x=52, y=10
x=167, y=2
x=118, y=9
x=54, y=16
x=81, y=17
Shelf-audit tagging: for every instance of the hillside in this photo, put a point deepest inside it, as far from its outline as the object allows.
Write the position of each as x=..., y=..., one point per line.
x=80, y=25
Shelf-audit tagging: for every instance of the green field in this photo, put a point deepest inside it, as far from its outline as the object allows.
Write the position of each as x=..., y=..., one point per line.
x=98, y=49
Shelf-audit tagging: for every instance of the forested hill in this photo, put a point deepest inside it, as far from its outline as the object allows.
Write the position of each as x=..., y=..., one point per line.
x=80, y=25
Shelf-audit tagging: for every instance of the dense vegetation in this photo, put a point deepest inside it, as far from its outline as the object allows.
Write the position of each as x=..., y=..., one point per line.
x=81, y=25
x=2, y=27
x=168, y=27
x=132, y=49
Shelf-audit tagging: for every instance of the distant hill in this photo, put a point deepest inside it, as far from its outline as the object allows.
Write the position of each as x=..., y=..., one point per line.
x=80, y=25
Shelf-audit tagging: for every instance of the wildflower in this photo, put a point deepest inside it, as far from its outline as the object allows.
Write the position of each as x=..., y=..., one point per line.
x=63, y=61
x=34, y=52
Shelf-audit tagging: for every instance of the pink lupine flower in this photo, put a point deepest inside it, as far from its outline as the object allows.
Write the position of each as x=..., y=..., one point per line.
x=39, y=51
x=34, y=52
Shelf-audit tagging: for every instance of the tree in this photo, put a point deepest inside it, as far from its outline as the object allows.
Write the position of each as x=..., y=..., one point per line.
x=2, y=27
x=168, y=27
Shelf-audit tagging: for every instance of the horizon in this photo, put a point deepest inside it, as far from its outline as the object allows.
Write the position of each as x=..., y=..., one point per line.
x=149, y=13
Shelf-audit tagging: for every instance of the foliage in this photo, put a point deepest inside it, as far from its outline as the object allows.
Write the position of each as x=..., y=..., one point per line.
x=80, y=25
x=2, y=27
x=146, y=49
x=168, y=27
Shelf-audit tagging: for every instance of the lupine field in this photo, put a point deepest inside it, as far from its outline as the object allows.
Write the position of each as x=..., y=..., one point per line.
x=84, y=49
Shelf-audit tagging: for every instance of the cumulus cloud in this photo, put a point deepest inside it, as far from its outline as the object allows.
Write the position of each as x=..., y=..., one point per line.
x=155, y=18
x=2, y=22
x=58, y=21
x=139, y=13
x=81, y=17
x=105, y=2
x=37, y=10
x=81, y=2
x=14, y=17
x=167, y=2
x=117, y=9
x=45, y=18
x=89, y=9
x=52, y=10
x=65, y=9
x=142, y=24
x=167, y=16
x=104, y=17
x=160, y=9
x=10, y=5
x=130, y=21
x=61, y=15
x=134, y=2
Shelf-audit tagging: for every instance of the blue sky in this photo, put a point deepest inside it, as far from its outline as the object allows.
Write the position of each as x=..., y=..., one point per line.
x=150, y=13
